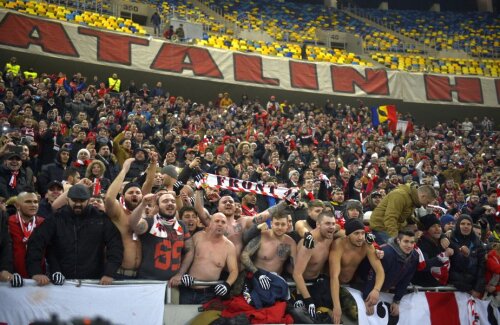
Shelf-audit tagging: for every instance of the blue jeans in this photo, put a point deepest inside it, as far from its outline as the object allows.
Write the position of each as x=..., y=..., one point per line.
x=381, y=237
x=189, y=296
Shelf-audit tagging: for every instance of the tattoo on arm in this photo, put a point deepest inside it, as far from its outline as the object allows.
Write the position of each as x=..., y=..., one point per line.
x=188, y=246
x=141, y=227
x=258, y=219
x=246, y=256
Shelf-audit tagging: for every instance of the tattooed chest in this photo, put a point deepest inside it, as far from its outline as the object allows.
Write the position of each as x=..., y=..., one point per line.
x=283, y=251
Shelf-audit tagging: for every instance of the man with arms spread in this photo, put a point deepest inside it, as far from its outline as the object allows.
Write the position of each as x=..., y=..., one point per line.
x=311, y=261
x=132, y=196
x=166, y=242
x=345, y=256
x=236, y=228
x=213, y=252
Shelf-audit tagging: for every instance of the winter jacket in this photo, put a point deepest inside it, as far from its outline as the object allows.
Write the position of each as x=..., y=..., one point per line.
x=398, y=268
x=5, y=245
x=467, y=273
x=396, y=208
x=51, y=172
x=87, y=246
x=24, y=182
x=430, y=249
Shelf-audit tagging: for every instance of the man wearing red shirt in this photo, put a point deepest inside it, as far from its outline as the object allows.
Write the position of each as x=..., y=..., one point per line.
x=21, y=226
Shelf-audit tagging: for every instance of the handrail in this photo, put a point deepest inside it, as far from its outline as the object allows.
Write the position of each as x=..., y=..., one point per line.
x=211, y=283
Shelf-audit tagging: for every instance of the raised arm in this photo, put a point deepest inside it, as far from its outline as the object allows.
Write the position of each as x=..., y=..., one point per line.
x=199, y=207
x=136, y=222
x=110, y=202
x=151, y=171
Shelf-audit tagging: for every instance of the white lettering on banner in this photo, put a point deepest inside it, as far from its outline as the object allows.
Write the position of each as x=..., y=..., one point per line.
x=119, y=304
x=238, y=185
x=419, y=308
x=97, y=46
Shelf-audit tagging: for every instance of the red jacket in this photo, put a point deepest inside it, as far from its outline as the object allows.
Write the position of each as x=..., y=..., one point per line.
x=492, y=266
x=18, y=246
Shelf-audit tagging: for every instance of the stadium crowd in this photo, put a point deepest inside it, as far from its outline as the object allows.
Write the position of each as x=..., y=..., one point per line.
x=108, y=181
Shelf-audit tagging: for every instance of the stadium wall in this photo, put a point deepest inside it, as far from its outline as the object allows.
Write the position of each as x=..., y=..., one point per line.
x=200, y=74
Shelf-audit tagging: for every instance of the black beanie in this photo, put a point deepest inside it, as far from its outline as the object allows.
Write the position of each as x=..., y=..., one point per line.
x=352, y=225
x=428, y=221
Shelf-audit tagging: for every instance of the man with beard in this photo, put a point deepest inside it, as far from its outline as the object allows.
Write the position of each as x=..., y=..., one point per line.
x=166, y=243
x=212, y=253
x=236, y=228
x=119, y=214
x=80, y=243
x=346, y=255
x=310, y=263
x=270, y=251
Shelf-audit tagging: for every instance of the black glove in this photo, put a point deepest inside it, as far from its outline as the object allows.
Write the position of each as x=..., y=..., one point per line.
x=58, y=278
x=187, y=280
x=222, y=289
x=199, y=180
x=311, y=307
x=370, y=238
x=299, y=303
x=308, y=240
x=178, y=187
x=16, y=281
x=264, y=280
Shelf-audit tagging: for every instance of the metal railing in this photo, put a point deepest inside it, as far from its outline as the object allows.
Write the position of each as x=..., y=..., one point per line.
x=168, y=294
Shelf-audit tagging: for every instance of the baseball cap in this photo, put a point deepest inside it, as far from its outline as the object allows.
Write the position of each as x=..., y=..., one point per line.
x=79, y=192
x=55, y=183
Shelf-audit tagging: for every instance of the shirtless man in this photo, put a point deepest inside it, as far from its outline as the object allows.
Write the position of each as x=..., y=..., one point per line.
x=235, y=228
x=132, y=195
x=212, y=253
x=311, y=261
x=345, y=257
x=270, y=251
x=166, y=243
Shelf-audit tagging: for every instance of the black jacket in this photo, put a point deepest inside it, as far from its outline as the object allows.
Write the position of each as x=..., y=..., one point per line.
x=5, y=245
x=24, y=182
x=81, y=247
x=51, y=172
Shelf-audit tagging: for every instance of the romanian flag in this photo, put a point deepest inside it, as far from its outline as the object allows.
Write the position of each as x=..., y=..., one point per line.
x=386, y=113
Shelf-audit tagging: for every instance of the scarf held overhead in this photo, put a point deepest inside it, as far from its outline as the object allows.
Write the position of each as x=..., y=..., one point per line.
x=238, y=185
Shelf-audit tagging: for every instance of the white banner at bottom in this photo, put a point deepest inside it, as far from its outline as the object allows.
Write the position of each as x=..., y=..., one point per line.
x=119, y=304
x=426, y=308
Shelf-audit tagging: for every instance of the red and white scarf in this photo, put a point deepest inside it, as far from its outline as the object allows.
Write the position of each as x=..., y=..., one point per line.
x=161, y=227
